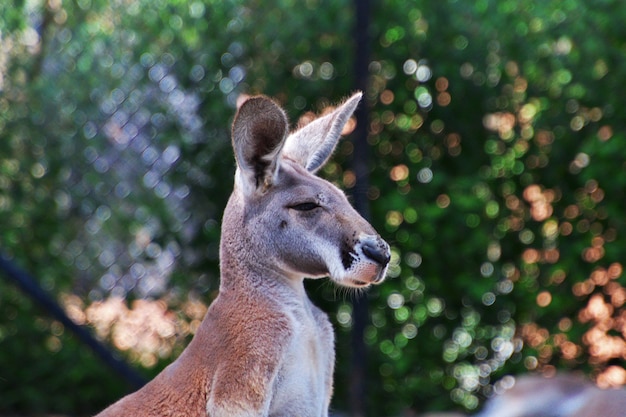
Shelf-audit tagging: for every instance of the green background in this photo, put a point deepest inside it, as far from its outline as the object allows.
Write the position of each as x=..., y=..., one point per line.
x=498, y=171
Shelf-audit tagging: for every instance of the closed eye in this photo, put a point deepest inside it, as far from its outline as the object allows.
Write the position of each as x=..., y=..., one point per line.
x=305, y=206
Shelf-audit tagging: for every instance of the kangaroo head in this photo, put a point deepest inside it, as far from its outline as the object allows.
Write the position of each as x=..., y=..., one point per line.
x=284, y=219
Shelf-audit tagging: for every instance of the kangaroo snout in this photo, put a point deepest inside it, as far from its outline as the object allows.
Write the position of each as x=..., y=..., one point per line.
x=368, y=262
x=377, y=250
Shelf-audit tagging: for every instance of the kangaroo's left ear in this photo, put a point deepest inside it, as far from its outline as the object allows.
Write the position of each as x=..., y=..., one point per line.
x=259, y=132
x=312, y=145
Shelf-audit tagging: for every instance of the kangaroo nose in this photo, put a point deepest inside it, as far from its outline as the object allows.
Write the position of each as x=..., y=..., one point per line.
x=377, y=251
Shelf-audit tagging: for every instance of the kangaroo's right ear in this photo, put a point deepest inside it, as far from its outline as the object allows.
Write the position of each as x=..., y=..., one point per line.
x=259, y=132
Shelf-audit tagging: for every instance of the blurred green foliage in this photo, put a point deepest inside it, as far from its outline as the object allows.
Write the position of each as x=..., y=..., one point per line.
x=498, y=176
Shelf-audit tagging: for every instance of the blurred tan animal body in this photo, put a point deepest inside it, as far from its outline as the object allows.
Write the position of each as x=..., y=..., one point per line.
x=263, y=349
x=564, y=395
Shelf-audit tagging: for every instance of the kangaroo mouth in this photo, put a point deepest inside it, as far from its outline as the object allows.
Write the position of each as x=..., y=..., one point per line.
x=362, y=275
x=364, y=264
x=359, y=283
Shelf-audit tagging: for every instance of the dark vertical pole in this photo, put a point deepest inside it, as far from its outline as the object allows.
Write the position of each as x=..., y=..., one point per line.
x=358, y=374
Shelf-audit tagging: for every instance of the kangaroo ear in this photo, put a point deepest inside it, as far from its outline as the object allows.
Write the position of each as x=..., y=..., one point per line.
x=259, y=132
x=312, y=145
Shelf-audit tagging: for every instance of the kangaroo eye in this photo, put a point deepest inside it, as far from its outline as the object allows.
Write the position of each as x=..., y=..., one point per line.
x=305, y=206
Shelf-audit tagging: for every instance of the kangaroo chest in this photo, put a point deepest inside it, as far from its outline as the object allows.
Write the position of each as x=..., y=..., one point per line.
x=304, y=381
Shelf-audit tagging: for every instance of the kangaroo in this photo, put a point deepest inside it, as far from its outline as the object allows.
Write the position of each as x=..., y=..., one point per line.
x=263, y=348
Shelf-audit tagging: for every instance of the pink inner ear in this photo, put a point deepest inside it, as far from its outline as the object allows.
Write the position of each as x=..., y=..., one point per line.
x=313, y=144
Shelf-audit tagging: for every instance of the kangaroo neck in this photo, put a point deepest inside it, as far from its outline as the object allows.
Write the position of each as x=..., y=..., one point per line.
x=241, y=268
x=241, y=271
x=266, y=279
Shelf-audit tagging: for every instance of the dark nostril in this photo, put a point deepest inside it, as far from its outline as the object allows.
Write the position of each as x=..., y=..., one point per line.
x=376, y=252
